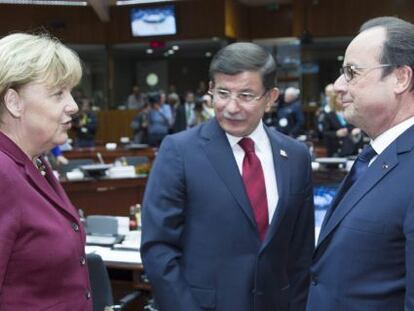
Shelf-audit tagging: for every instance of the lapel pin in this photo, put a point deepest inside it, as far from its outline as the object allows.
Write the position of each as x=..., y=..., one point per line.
x=385, y=166
x=283, y=153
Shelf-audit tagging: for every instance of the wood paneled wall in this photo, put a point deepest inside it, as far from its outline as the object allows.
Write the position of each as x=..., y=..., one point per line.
x=195, y=19
x=207, y=18
x=328, y=18
x=114, y=124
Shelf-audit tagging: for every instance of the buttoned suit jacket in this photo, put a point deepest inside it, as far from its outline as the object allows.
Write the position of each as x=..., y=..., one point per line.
x=200, y=246
x=41, y=239
x=364, y=259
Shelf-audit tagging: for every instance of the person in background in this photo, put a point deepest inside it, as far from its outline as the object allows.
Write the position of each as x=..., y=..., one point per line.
x=184, y=113
x=174, y=101
x=290, y=119
x=136, y=99
x=341, y=139
x=158, y=122
x=85, y=125
x=139, y=125
x=202, y=110
x=60, y=159
x=166, y=109
x=364, y=258
x=326, y=98
x=224, y=228
x=42, y=241
x=208, y=109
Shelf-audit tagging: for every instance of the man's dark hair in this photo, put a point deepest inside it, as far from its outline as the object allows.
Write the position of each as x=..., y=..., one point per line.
x=244, y=56
x=154, y=98
x=398, y=49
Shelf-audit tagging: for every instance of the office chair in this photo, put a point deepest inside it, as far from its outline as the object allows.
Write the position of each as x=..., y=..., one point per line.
x=133, y=160
x=101, y=287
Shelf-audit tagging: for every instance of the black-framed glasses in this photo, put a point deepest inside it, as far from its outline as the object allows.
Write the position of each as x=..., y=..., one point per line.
x=245, y=98
x=351, y=71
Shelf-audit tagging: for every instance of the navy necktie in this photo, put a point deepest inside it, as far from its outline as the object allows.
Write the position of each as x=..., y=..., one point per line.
x=254, y=183
x=358, y=169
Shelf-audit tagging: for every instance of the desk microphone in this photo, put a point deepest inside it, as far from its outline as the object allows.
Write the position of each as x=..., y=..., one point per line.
x=99, y=156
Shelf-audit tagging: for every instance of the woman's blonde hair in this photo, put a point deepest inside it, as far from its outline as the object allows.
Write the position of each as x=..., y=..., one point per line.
x=39, y=58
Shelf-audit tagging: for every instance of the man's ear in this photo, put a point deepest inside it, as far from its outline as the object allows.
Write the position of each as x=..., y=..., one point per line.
x=404, y=77
x=272, y=97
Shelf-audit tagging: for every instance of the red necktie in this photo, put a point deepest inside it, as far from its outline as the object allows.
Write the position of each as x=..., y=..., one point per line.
x=254, y=183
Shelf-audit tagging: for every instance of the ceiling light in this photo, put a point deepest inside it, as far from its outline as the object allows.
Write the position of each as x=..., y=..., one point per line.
x=150, y=51
x=44, y=2
x=175, y=47
x=208, y=54
x=130, y=2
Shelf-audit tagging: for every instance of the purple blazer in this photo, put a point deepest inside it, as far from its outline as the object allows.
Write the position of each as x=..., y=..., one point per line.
x=42, y=242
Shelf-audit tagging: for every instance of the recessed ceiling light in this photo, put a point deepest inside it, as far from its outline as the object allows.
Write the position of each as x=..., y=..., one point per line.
x=208, y=54
x=175, y=47
x=150, y=51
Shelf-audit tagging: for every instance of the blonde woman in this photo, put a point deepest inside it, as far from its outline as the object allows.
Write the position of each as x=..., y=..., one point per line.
x=42, y=259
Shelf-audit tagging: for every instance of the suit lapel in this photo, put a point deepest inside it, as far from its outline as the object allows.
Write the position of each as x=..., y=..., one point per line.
x=221, y=156
x=48, y=190
x=384, y=164
x=282, y=170
x=51, y=191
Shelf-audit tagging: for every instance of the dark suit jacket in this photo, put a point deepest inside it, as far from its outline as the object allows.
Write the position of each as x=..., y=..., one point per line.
x=364, y=260
x=338, y=146
x=180, y=123
x=41, y=239
x=200, y=246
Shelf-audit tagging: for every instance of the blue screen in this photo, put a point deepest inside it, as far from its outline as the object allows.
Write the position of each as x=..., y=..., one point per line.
x=322, y=198
x=153, y=21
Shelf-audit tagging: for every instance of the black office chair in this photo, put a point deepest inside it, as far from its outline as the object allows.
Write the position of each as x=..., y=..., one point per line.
x=133, y=160
x=101, y=287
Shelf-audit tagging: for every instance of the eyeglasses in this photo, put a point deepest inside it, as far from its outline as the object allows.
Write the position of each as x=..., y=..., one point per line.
x=243, y=97
x=350, y=71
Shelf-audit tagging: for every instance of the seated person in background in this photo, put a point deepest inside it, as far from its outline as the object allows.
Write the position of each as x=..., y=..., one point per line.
x=340, y=138
x=290, y=119
x=85, y=125
x=58, y=157
x=136, y=99
x=158, y=122
x=139, y=126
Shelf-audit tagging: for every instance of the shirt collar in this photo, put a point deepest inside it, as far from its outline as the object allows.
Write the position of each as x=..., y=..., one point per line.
x=258, y=135
x=385, y=139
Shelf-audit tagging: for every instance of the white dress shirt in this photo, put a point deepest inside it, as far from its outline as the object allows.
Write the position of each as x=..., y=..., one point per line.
x=264, y=152
x=385, y=139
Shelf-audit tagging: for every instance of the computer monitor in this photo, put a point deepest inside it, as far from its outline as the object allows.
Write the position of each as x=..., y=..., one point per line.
x=153, y=21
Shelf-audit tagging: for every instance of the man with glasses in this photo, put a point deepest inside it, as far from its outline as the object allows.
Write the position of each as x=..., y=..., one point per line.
x=364, y=258
x=228, y=208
